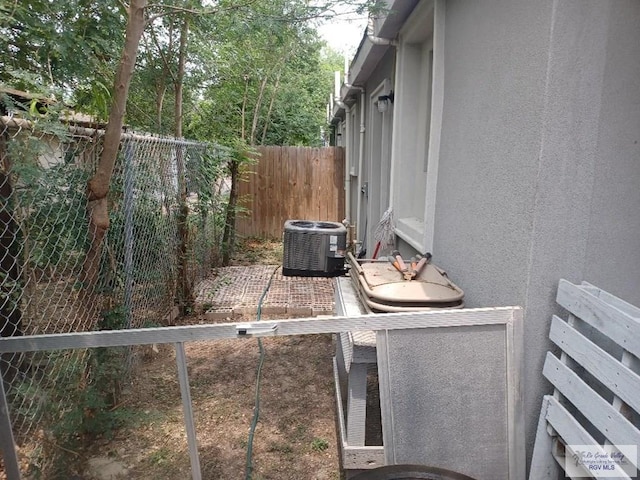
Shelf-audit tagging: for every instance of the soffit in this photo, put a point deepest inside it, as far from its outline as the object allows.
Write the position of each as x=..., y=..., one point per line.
x=369, y=55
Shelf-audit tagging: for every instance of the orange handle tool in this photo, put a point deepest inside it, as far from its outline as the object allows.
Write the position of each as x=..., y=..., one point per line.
x=398, y=257
x=423, y=261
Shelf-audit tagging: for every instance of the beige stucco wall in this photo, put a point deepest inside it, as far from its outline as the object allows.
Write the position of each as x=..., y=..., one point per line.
x=540, y=159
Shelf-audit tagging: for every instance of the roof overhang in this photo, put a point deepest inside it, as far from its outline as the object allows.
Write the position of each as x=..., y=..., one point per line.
x=368, y=55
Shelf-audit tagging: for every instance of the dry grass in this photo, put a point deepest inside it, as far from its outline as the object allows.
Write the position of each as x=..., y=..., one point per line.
x=296, y=413
x=295, y=438
x=258, y=251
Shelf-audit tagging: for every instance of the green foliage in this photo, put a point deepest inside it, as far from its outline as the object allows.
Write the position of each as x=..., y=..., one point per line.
x=206, y=171
x=68, y=44
x=50, y=182
x=241, y=155
x=160, y=456
x=10, y=293
x=73, y=406
x=299, y=111
x=114, y=319
x=233, y=47
x=152, y=240
x=255, y=71
x=57, y=211
x=319, y=445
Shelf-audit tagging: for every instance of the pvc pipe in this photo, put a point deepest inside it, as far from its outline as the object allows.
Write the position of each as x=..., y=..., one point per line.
x=377, y=40
x=347, y=166
x=360, y=164
x=347, y=157
x=346, y=70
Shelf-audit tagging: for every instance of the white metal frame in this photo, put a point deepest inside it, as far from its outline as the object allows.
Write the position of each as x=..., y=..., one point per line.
x=511, y=318
x=179, y=335
x=351, y=363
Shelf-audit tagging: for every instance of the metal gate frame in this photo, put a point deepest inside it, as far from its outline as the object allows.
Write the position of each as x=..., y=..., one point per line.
x=181, y=334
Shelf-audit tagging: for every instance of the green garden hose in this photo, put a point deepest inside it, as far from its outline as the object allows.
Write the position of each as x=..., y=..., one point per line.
x=256, y=408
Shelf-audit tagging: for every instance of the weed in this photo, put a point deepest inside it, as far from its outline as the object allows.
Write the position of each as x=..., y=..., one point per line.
x=160, y=456
x=151, y=324
x=206, y=306
x=301, y=431
x=319, y=445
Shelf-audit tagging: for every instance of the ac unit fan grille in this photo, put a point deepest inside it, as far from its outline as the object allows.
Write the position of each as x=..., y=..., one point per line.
x=304, y=251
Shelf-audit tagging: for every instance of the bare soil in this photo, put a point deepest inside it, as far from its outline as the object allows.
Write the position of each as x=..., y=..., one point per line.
x=295, y=437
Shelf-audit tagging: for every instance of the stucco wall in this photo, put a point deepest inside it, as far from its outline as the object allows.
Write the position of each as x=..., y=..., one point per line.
x=496, y=55
x=612, y=258
x=495, y=63
x=539, y=164
x=585, y=226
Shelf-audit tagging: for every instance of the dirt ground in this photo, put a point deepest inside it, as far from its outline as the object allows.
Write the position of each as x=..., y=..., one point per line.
x=296, y=435
x=295, y=438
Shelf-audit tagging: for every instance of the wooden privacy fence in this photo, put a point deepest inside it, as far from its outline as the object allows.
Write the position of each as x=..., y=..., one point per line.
x=291, y=183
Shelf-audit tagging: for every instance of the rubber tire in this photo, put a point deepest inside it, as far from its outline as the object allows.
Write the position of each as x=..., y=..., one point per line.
x=410, y=472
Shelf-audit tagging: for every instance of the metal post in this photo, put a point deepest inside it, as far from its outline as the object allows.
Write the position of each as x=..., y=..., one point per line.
x=181, y=360
x=129, y=200
x=7, y=444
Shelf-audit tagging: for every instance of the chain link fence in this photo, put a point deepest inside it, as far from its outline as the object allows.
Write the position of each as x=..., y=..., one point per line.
x=166, y=204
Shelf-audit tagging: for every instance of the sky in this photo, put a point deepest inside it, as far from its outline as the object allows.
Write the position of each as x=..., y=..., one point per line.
x=343, y=35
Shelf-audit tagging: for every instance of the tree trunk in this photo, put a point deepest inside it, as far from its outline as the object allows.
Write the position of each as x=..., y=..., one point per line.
x=243, y=113
x=98, y=185
x=161, y=86
x=161, y=91
x=186, y=298
x=229, y=235
x=270, y=109
x=256, y=110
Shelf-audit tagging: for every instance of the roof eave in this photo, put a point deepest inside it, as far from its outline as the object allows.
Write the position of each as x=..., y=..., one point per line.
x=368, y=54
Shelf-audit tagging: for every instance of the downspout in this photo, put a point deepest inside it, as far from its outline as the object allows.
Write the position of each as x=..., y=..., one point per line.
x=360, y=151
x=347, y=161
x=377, y=40
x=360, y=162
x=347, y=150
x=361, y=143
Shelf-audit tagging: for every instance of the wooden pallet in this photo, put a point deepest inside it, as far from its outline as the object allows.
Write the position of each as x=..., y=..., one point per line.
x=596, y=401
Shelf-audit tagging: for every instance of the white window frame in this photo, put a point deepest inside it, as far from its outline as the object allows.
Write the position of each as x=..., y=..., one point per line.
x=418, y=232
x=379, y=145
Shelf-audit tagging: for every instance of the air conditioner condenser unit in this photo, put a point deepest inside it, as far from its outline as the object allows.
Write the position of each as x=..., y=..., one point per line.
x=314, y=248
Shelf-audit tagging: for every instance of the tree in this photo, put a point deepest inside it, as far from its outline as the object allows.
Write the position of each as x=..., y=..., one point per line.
x=267, y=86
x=252, y=87
x=65, y=46
x=98, y=185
